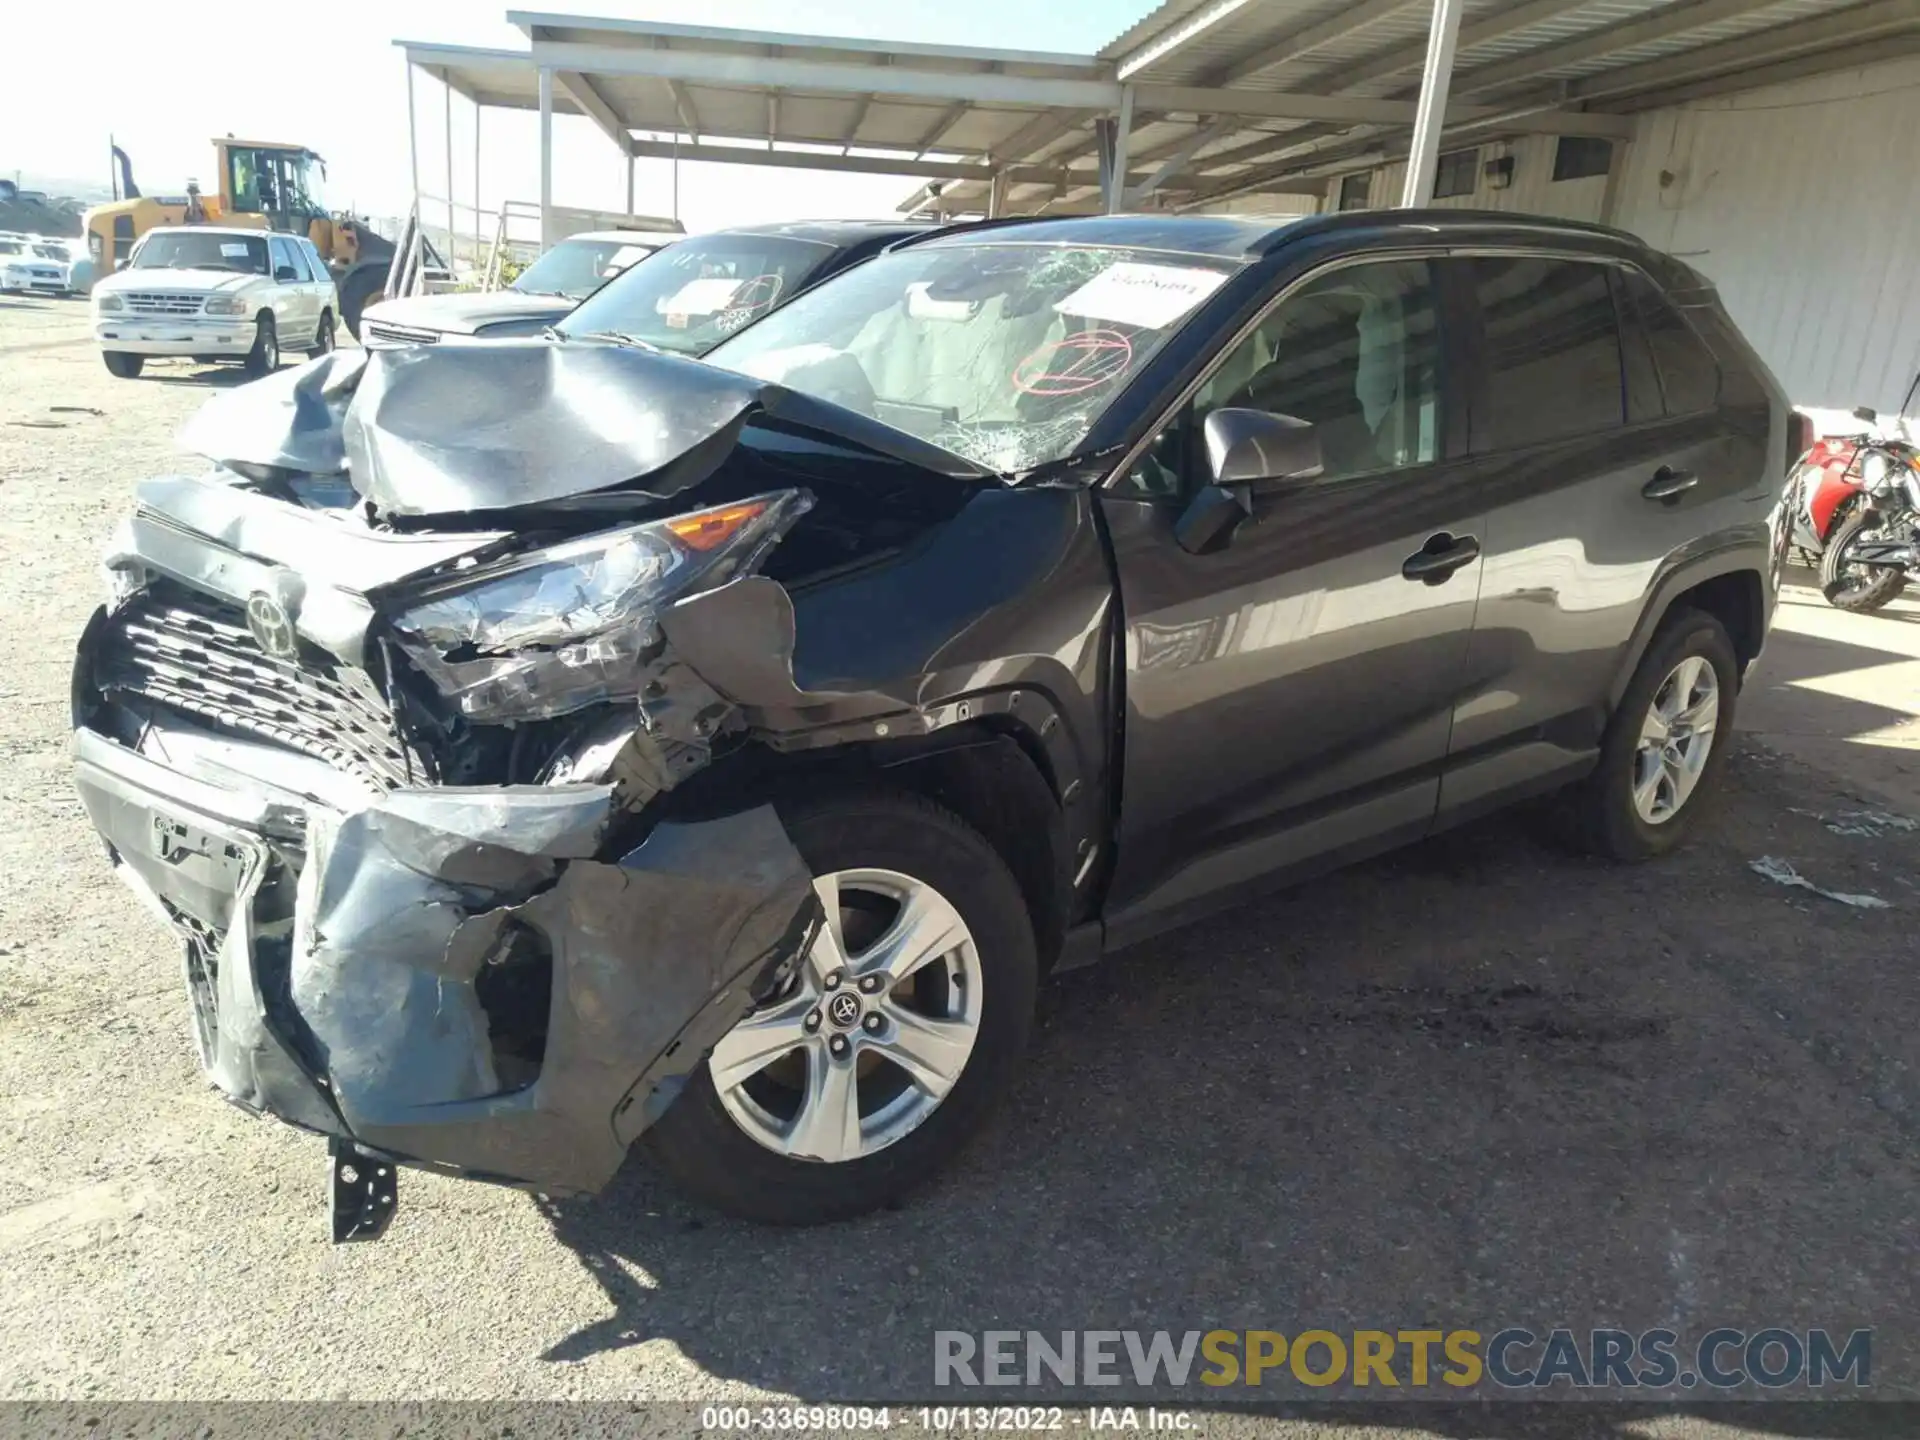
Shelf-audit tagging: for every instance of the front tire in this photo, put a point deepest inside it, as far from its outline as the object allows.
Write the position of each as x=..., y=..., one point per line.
x=264, y=357
x=905, y=1029
x=1664, y=747
x=124, y=365
x=1858, y=589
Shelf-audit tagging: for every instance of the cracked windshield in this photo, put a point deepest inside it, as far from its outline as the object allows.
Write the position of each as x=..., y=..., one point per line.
x=1003, y=354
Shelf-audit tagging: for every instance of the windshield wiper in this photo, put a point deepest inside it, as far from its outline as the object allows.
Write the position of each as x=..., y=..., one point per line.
x=619, y=337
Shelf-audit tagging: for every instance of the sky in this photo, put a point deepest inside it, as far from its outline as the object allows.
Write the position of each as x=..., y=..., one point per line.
x=162, y=79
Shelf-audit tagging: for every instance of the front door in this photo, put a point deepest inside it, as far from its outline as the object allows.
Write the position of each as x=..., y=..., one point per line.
x=1289, y=698
x=293, y=311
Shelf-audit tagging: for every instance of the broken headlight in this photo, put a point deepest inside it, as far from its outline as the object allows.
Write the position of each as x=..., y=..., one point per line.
x=563, y=627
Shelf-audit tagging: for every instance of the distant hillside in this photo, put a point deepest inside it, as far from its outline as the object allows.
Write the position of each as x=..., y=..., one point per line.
x=88, y=192
x=38, y=216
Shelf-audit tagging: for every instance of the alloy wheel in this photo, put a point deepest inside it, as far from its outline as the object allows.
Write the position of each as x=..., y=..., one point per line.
x=872, y=1034
x=1676, y=737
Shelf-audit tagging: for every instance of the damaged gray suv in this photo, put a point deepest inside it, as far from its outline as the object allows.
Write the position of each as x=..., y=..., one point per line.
x=551, y=744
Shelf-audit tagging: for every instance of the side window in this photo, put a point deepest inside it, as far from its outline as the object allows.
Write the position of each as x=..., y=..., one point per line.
x=1357, y=353
x=297, y=254
x=1689, y=375
x=1553, y=351
x=282, y=255
x=316, y=267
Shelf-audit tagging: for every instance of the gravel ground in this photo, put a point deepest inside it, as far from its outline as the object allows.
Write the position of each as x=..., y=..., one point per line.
x=1475, y=1084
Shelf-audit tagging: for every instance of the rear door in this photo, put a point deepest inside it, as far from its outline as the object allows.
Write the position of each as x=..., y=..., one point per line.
x=1289, y=698
x=322, y=287
x=1589, y=486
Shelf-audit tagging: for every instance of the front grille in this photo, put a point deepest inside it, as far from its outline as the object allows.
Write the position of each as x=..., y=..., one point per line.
x=380, y=332
x=158, y=302
x=194, y=653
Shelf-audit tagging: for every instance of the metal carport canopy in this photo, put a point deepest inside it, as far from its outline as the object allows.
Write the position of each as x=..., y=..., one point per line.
x=1519, y=65
x=989, y=117
x=1199, y=101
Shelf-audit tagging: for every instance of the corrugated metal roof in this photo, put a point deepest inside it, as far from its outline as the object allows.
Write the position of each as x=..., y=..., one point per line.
x=1513, y=53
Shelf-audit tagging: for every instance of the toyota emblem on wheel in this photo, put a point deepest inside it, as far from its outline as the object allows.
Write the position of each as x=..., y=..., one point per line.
x=844, y=1011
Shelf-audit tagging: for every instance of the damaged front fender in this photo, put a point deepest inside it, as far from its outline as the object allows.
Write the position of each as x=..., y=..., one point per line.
x=339, y=974
x=653, y=957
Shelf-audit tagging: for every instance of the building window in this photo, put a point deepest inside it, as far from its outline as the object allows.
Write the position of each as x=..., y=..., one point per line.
x=1581, y=157
x=1457, y=172
x=1356, y=191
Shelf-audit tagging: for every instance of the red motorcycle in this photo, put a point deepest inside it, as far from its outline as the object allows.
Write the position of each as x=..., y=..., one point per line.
x=1856, y=512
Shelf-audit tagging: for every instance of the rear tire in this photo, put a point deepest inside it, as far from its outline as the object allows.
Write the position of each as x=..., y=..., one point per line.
x=122, y=364
x=712, y=1155
x=264, y=358
x=1601, y=814
x=323, y=337
x=1845, y=590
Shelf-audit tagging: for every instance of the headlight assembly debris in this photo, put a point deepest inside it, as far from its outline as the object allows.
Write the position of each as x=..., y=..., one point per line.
x=556, y=629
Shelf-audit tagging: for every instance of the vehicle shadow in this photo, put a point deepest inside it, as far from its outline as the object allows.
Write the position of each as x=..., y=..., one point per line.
x=215, y=377
x=1476, y=1084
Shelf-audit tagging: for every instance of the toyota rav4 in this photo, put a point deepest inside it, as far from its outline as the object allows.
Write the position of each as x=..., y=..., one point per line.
x=542, y=745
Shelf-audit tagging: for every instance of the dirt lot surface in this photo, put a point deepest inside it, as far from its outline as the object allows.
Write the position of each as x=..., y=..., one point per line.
x=1475, y=1084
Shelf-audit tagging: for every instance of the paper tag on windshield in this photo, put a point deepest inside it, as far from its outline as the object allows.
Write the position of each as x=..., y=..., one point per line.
x=627, y=255
x=701, y=297
x=235, y=248
x=1150, y=296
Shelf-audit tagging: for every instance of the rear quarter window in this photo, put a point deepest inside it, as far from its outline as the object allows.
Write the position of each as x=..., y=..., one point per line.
x=1689, y=374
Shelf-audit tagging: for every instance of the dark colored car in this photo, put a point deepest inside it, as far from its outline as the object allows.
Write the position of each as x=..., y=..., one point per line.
x=539, y=745
x=683, y=295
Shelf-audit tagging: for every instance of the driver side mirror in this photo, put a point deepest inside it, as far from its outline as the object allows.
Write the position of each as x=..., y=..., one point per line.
x=1866, y=414
x=1247, y=451
x=284, y=273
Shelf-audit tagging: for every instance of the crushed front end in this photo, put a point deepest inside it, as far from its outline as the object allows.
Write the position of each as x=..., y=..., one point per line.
x=393, y=786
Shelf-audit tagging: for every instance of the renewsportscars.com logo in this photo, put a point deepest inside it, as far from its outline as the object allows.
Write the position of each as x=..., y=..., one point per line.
x=1512, y=1359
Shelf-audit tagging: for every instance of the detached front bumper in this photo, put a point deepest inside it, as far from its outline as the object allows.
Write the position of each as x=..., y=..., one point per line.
x=373, y=975
x=134, y=334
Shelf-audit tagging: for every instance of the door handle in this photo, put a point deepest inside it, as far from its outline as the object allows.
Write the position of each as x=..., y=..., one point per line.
x=1669, y=484
x=1440, y=557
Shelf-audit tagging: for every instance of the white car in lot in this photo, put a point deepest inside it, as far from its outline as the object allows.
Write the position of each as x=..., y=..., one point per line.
x=215, y=294
x=31, y=265
x=546, y=291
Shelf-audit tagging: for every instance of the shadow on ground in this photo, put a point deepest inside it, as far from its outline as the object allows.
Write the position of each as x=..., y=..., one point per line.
x=1477, y=1084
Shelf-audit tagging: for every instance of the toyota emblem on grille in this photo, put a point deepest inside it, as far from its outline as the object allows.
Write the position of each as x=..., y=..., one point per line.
x=272, y=627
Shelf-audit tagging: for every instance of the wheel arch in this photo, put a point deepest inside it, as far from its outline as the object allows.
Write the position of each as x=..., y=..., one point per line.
x=996, y=774
x=1729, y=585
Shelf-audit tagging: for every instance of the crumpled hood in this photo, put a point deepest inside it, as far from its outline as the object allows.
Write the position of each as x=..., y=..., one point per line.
x=433, y=431
x=467, y=314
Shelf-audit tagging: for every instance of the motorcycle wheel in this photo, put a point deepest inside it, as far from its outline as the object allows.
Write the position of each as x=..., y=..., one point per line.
x=1856, y=588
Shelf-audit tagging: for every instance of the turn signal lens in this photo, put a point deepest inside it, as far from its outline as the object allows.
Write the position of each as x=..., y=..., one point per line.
x=706, y=530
